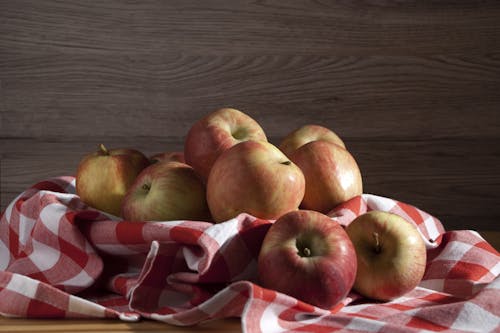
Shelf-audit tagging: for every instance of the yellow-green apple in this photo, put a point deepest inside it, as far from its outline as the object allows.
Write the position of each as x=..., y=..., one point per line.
x=308, y=133
x=174, y=156
x=166, y=191
x=104, y=177
x=254, y=177
x=390, y=252
x=331, y=172
x=215, y=133
x=309, y=256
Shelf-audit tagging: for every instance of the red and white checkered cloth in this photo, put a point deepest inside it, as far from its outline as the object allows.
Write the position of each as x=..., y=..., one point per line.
x=62, y=259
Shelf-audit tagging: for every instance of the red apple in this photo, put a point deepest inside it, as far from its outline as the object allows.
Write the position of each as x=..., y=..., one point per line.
x=332, y=175
x=306, y=134
x=174, y=156
x=307, y=255
x=215, y=133
x=254, y=177
x=166, y=191
x=104, y=177
x=390, y=252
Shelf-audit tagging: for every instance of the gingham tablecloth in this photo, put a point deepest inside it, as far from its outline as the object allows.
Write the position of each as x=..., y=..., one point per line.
x=62, y=259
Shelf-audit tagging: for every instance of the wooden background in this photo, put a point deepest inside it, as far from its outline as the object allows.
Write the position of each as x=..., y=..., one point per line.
x=413, y=87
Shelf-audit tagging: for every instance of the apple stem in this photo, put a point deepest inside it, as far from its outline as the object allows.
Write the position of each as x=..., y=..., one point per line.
x=377, y=242
x=307, y=252
x=286, y=163
x=103, y=149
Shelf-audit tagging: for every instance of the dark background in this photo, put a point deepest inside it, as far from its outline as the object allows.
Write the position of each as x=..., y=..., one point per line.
x=413, y=87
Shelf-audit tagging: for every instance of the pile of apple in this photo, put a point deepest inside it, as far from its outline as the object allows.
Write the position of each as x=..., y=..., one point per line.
x=228, y=167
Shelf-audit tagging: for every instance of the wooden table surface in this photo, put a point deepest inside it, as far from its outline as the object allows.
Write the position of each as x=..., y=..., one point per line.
x=113, y=326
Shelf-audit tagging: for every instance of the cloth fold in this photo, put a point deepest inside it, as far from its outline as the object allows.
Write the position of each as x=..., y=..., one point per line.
x=60, y=258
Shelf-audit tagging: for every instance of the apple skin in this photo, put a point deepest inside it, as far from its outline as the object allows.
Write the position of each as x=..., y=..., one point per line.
x=254, y=177
x=391, y=255
x=306, y=134
x=331, y=172
x=166, y=191
x=174, y=156
x=215, y=133
x=324, y=274
x=104, y=177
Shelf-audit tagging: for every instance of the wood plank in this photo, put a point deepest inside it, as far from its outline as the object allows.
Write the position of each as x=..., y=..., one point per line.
x=455, y=180
x=249, y=27
x=412, y=87
x=111, y=326
x=362, y=97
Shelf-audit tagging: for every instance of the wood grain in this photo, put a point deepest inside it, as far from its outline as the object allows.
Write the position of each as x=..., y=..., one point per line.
x=412, y=87
x=251, y=27
x=112, y=326
x=373, y=96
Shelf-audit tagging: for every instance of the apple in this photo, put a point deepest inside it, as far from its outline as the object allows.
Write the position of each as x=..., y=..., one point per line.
x=104, y=177
x=331, y=172
x=215, y=133
x=254, y=177
x=176, y=156
x=390, y=252
x=166, y=191
x=307, y=255
x=306, y=134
